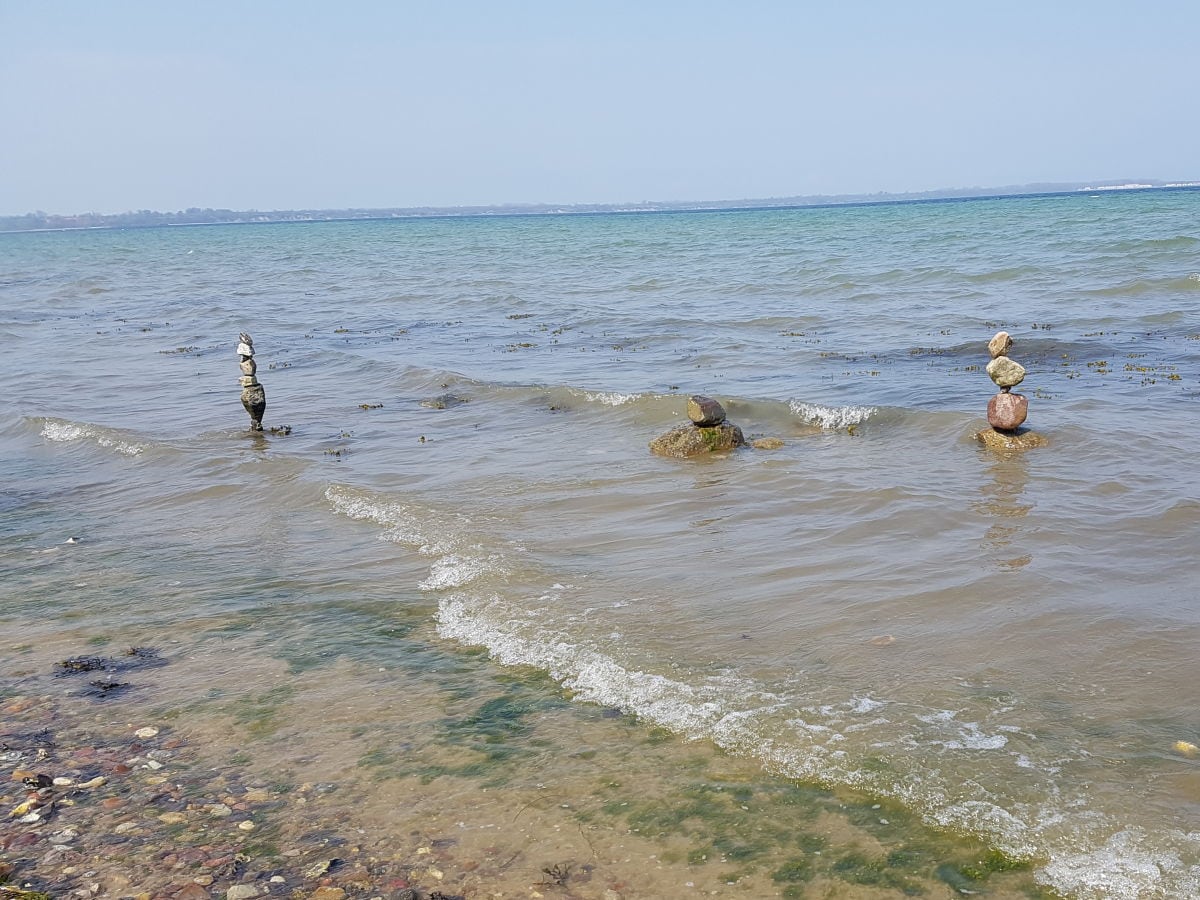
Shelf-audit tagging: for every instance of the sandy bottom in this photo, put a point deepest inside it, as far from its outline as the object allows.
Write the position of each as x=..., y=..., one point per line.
x=218, y=771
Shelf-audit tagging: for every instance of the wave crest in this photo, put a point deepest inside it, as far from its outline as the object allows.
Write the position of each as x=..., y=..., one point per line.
x=832, y=417
x=63, y=431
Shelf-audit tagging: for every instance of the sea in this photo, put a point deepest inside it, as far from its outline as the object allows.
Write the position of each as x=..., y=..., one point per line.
x=452, y=564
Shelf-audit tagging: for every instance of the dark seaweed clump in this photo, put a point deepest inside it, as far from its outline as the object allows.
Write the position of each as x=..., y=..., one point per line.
x=132, y=659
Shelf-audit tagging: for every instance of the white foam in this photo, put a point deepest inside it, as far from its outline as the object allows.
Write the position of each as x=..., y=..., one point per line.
x=609, y=398
x=832, y=417
x=865, y=705
x=457, y=560
x=1124, y=869
x=967, y=735
x=453, y=571
x=61, y=431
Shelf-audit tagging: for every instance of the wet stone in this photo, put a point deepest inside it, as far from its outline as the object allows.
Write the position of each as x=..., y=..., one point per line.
x=254, y=399
x=767, y=443
x=1005, y=372
x=1000, y=344
x=691, y=440
x=705, y=410
x=1021, y=439
x=1007, y=412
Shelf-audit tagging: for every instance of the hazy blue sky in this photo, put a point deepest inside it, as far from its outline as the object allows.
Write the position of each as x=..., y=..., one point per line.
x=109, y=106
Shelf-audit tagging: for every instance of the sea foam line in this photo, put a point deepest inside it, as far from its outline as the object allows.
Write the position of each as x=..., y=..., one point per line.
x=1112, y=863
x=457, y=561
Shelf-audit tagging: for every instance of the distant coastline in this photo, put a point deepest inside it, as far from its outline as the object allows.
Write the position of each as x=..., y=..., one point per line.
x=42, y=221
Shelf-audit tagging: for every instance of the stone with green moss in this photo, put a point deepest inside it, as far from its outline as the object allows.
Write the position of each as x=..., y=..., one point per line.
x=693, y=440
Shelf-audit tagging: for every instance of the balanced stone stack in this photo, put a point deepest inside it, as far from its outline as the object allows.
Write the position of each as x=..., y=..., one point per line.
x=254, y=398
x=1006, y=412
x=707, y=432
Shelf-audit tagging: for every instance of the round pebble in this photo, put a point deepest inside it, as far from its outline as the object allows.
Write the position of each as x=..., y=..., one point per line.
x=246, y=826
x=147, y=732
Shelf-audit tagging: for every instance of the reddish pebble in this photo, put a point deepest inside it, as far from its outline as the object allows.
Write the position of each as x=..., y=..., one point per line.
x=112, y=802
x=1006, y=412
x=121, y=769
x=173, y=744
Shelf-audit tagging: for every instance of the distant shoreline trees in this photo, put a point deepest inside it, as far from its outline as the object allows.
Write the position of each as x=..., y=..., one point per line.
x=146, y=218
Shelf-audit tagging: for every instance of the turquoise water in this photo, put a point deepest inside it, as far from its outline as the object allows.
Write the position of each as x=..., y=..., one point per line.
x=1003, y=645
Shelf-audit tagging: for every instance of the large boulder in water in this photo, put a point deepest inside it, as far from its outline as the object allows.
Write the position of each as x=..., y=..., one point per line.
x=1020, y=439
x=696, y=440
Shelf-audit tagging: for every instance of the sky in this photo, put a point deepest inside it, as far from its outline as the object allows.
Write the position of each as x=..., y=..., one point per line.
x=116, y=106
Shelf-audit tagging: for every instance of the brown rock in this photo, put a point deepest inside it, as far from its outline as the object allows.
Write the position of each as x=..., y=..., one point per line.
x=328, y=893
x=1006, y=373
x=1021, y=439
x=1000, y=344
x=767, y=443
x=249, y=366
x=193, y=892
x=254, y=398
x=705, y=411
x=1006, y=411
x=691, y=440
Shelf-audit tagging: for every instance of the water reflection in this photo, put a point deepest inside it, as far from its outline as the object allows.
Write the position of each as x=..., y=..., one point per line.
x=1003, y=499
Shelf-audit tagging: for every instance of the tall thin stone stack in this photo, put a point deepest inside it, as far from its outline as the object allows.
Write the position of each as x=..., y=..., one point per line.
x=1006, y=411
x=254, y=398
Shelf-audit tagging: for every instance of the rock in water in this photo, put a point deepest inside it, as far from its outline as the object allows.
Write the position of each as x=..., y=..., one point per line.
x=705, y=411
x=1021, y=439
x=1006, y=373
x=249, y=366
x=254, y=398
x=1007, y=411
x=1000, y=344
x=245, y=350
x=693, y=440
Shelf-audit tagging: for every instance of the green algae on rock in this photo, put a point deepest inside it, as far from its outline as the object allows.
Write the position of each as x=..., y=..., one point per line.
x=707, y=433
x=694, y=440
x=1021, y=439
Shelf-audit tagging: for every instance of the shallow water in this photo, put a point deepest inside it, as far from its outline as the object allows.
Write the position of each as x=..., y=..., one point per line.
x=1000, y=647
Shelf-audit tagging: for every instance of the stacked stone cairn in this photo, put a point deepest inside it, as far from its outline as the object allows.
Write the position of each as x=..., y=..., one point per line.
x=1006, y=411
x=707, y=432
x=254, y=398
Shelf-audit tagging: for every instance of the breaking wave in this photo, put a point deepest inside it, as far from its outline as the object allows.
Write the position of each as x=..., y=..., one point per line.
x=832, y=417
x=63, y=431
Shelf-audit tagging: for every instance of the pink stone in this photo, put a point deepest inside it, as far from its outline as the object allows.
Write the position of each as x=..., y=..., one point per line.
x=1007, y=411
